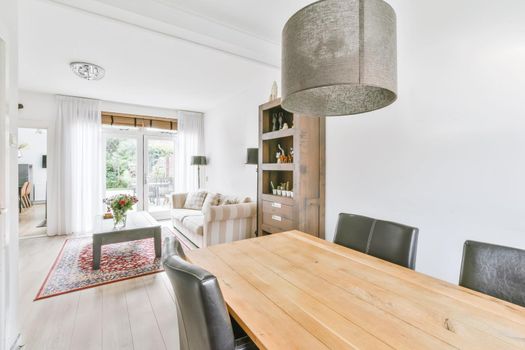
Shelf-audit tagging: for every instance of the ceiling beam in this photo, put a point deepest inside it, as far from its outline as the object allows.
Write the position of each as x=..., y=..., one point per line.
x=157, y=16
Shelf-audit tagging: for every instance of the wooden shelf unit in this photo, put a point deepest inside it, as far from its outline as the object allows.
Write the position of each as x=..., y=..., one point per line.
x=306, y=174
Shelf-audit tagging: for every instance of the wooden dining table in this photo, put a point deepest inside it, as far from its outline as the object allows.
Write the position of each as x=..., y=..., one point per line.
x=294, y=291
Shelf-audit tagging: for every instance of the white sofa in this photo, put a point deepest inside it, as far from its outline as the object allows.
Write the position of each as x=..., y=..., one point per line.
x=214, y=224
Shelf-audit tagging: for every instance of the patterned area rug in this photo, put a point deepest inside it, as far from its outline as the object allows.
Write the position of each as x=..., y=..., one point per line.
x=73, y=268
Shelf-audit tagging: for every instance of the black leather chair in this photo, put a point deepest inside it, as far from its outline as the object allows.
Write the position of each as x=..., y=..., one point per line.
x=204, y=322
x=386, y=240
x=494, y=270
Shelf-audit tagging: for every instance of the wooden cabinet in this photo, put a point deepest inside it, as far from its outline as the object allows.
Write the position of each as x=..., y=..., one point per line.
x=302, y=176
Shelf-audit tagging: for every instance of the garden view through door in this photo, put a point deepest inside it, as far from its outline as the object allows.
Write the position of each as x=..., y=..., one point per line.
x=159, y=168
x=141, y=165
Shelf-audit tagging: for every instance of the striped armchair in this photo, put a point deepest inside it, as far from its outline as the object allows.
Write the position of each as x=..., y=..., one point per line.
x=214, y=224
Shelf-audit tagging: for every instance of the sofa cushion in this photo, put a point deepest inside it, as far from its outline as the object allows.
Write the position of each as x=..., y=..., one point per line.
x=181, y=214
x=195, y=200
x=194, y=224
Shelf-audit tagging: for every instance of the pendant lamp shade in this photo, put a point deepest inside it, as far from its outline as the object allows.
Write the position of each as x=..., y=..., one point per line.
x=340, y=58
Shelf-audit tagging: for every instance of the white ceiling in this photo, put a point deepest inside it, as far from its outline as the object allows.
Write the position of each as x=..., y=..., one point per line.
x=184, y=54
x=264, y=19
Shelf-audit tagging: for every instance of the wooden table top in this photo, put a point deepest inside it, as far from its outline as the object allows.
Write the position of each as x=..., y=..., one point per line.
x=294, y=291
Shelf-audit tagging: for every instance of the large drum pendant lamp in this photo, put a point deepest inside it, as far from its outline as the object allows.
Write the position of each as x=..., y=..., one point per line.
x=340, y=58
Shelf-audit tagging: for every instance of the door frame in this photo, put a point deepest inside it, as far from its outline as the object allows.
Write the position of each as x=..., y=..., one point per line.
x=4, y=194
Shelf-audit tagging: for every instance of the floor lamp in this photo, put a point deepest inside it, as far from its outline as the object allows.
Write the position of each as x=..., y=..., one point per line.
x=252, y=158
x=199, y=161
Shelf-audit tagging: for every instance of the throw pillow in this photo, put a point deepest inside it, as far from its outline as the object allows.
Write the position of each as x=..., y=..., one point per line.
x=195, y=200
x=212, y=199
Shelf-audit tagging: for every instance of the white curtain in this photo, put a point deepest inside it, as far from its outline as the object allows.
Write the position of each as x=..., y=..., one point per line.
x=190, y=142
x=75, y=191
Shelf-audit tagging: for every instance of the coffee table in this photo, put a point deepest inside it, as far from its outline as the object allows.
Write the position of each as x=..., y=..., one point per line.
x=139, y=225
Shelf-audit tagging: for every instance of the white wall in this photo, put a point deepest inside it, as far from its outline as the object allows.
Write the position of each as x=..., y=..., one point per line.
x=229, y=130
x=448, y=156
x=36, y=141
x=8, y=178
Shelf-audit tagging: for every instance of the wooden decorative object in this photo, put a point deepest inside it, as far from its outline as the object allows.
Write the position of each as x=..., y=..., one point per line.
x=301, y=206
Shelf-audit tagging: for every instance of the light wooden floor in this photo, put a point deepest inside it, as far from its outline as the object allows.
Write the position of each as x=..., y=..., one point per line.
x=29, y=219
x=134, y=314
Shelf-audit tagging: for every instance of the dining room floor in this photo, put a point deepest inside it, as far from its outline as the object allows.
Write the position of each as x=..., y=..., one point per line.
x=138, y=313
x=30, y=221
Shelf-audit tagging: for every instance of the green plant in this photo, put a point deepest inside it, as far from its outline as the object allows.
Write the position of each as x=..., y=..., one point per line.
x=119, y=205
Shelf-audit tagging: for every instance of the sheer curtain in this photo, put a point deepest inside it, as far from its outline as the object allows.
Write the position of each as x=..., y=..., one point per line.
x=75, y=191
x=190, y=142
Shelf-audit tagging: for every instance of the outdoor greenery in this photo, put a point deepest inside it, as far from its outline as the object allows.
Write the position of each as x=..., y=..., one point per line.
x=121, y=162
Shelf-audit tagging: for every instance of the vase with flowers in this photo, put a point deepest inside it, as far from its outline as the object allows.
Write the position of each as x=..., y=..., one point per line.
x=120, y=204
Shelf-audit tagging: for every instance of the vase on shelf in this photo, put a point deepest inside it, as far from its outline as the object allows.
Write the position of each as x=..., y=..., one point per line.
x=119, y=219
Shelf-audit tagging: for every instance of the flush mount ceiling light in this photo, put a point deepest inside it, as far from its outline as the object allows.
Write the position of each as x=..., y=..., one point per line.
x=87, y=71
x=340, y=58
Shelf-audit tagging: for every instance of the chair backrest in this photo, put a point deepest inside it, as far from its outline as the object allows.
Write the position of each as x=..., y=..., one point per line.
x=23, y=191
x=386, y=240
x=204, y=322
x=29, y=188
x=494, y=270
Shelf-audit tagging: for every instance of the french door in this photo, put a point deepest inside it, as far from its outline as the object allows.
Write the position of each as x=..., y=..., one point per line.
x=141, y=164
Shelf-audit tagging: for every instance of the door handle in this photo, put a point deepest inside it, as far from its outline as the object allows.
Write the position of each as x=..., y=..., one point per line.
x=277, y=218
x=276, y=205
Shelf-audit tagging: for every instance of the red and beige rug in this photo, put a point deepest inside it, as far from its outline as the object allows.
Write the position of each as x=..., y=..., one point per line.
x=73, y=268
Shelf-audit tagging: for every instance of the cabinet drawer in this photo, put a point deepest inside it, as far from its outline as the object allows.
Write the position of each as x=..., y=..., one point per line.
x=278, y=222
x=271, y=229
x=276, y=208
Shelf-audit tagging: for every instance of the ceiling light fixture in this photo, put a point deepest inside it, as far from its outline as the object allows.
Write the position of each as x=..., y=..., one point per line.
x=339, y=58
x=88, y=71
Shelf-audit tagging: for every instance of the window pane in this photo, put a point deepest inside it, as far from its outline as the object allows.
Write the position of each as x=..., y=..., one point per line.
x=121, y=166
x=160, y=175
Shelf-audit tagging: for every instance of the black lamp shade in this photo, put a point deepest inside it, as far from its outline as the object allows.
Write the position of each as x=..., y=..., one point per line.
x=252, y=156
x=44, y=161
x=198, y=160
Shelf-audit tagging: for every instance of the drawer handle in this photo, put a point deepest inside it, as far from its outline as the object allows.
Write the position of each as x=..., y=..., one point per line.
x=276, y=205
x=277, y=218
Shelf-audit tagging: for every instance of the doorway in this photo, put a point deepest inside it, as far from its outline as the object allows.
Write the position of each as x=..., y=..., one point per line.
x=141, y=163
x=32, y=181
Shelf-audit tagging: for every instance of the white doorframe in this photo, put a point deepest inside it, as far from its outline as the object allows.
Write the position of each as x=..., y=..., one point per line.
x=4, y=197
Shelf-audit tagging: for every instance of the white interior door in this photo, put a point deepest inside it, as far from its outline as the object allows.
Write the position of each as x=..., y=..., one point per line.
x=159, y=174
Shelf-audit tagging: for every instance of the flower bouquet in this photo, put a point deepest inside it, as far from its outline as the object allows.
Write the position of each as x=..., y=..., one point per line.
x=119, y=205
